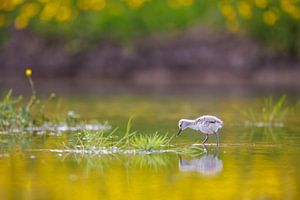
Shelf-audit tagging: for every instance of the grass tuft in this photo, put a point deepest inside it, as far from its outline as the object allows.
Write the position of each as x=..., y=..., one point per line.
x=18, y=113
x=111, y=142
x=151, y=142
x=271, y=113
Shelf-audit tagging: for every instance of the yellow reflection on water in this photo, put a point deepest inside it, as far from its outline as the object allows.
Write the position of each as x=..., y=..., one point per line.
x=235, y=173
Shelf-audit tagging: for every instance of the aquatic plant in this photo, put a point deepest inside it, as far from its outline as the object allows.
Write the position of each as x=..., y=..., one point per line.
x=95, y=140
x=104, y=140
x=89, y=140
x=272, y=113
x=125, y=140
x=15, y=113
x=131, y=142
x=18, y=114
x=261, y=122
x=151, y=142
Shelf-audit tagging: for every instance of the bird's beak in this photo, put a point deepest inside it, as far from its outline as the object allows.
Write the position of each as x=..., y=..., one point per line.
x=178, y=133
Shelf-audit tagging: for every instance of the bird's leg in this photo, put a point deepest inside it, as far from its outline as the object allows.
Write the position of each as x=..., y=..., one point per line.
x=206, y=138
x=217, y=138
x=180, y=160
x=205, y=149
x=217, y=152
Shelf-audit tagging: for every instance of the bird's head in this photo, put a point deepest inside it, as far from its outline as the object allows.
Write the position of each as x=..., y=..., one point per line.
x=182, y=124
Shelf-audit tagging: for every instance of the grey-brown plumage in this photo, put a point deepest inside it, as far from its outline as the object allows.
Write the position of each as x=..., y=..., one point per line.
x=206, y=124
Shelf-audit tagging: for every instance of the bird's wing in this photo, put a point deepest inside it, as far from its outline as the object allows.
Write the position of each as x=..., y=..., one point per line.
x=208, y=119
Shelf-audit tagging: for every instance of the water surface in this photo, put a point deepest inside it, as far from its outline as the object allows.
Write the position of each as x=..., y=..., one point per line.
x=250, y=163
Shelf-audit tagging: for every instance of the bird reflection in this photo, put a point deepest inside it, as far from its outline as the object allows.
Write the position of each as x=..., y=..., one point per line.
x=208, y=164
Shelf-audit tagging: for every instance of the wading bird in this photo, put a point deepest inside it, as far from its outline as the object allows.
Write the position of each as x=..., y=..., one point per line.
x=207, y=124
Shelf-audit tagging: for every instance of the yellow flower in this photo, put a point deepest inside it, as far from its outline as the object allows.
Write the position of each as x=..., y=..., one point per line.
x=270, y=17
x=244, y=9
x=261, y=3
x=30, y=9
x=135, y=4
x=95, y=5
x=64, y=14
x=28, y=72
x=291, y=8
x=228, y=11
x=21, y=22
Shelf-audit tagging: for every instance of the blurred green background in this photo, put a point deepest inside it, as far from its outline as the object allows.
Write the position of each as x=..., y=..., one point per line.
x=70, y=38
x=276, y=22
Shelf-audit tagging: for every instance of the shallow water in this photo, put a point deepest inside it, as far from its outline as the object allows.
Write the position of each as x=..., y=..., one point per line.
x=250, y=163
